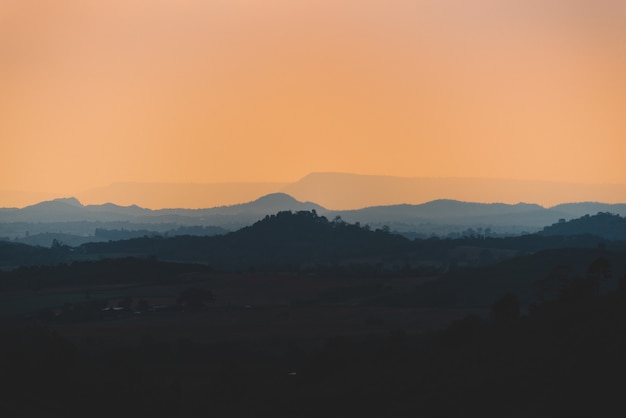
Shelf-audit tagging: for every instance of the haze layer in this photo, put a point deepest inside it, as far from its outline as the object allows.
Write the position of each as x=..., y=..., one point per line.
x=95, y=92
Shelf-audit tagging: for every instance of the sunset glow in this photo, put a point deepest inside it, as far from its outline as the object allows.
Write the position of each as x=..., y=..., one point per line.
x=98, y=92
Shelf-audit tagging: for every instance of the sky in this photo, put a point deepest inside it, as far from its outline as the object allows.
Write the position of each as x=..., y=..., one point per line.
x=192, y=91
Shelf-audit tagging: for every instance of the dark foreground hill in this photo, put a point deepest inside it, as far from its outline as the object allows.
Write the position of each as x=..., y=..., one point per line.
x=306, y=241
x=283, y=240
x=607, y=225
x=15, y=254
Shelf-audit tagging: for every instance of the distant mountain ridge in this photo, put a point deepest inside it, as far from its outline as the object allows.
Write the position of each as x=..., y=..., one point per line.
x=337, y=191
x=70, y=209
x=353, y=191
x=436, y=217
x=180, y=195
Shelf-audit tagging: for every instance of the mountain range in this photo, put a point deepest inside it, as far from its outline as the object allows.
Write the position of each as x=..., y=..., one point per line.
x=336, y=191
x=441, y=217
x=354, y=191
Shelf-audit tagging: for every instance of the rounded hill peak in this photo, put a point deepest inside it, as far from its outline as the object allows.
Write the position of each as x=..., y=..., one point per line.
x=72, y=201
x=276, y=197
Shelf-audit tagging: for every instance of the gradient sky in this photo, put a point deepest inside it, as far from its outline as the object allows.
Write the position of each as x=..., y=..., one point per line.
x=94, y=92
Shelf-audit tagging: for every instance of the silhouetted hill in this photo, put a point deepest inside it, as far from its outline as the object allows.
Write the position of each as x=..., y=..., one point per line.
x=606, y=225
x=63, y=209
x=266, y=205
x=283, y=240
x=71, y=210
x=440, y=217
x=13, y=255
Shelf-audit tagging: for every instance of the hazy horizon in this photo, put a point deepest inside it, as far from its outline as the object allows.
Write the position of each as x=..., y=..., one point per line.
x=101, y=93
x=335, y=191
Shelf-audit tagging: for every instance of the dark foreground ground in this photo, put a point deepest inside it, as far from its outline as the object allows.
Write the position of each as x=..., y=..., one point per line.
x=359, y=323
x=272, y=344
x=304, y=345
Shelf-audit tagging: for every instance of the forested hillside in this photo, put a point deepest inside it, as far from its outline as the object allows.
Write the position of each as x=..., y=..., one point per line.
x=606, y=225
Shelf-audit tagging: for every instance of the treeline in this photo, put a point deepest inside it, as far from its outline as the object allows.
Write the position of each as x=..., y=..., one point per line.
x=127, y=270
x=293, y=241
x=13, y=255
x=123, y=234
x=532, y=278
x=303, y=240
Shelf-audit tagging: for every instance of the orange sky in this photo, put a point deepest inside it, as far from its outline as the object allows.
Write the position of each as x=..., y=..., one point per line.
x=95, y=92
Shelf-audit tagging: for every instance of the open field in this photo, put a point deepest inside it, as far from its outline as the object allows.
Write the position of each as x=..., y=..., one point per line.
x=263, y=309
x=263, y=326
